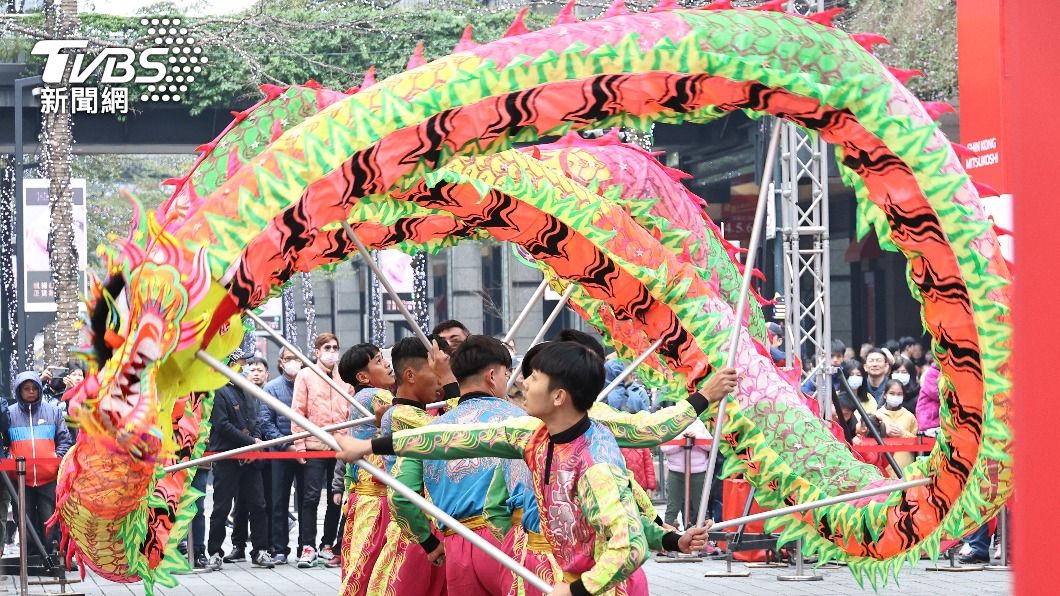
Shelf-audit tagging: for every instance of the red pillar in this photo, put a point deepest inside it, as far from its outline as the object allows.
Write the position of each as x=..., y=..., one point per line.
x=1030, y=94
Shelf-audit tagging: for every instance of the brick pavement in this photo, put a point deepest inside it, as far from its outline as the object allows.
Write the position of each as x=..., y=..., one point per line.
x=682, y=579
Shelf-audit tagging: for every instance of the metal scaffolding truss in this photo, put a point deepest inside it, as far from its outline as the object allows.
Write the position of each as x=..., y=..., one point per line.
x=804, y=225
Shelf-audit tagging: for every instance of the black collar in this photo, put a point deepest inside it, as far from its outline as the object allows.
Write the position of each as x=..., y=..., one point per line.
x=401, y=401
x=573, y=432
x=473, y=395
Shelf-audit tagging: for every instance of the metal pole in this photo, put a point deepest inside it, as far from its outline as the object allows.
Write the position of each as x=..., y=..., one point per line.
x=189, y=540
x=264, y=444
x=308, y=363
x=688, y=482
x=538, y=293
x=552, y=316
x=629, y=369
x=23, y=551
x=386, y=284
x=871, y=427
x=879, y=490
x=1002, y=531
x=741, y=307
x=417, y=499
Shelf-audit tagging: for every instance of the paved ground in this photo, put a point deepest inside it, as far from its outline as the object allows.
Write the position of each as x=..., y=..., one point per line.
x=665, y=580
x=673, y=579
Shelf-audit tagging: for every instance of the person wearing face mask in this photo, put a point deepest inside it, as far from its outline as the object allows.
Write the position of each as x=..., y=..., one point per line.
x=904, y=371
x=855, y=374
x=898, y=422
x=285, y=472
x=315, y=399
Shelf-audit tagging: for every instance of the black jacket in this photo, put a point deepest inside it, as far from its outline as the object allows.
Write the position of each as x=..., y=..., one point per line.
x=234, y=418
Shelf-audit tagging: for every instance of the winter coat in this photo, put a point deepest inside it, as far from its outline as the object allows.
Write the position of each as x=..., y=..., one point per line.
x=38, y=431
x=641, y=466
x=234, y=419
x=630, y=397
x=320, y=403
x=273, y=425
x=927, y=404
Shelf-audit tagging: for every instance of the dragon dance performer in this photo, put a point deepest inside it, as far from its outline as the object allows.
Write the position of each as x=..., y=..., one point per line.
x=422, y=377
x=588, y=514
x=511, y=507
x=481, y=365
x=366, y=519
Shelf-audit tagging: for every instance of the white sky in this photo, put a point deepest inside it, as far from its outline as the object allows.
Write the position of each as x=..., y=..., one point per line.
x=187, y=7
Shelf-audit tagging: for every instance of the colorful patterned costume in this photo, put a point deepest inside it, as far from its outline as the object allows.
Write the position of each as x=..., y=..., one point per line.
x=459, y=488
x=589, y=514
x=402, y=567
x=367, y=514
x=511, y=511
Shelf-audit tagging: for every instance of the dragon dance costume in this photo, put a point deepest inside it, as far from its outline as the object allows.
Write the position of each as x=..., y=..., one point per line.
x=587, y=511
x=459, y=488
x=402, y=566
x=367, y=514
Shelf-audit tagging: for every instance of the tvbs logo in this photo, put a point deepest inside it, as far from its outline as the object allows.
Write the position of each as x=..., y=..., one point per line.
x=115, y=66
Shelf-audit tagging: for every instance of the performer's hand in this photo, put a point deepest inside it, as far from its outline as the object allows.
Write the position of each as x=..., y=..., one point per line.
x=438, y=360
x=720, y=384
x=668, y=527
x=693, y=540
x=560, y=589
x=437, y=556
x=336, y=498
x=353, y=449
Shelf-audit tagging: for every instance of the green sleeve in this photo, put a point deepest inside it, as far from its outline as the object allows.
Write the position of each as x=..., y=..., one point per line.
x=648, y=429
x=505, y=439
x=608, y=507
x=653, y=533
x=496, y=511
x=410, y=518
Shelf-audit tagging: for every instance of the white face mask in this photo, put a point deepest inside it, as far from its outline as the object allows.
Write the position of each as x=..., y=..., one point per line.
x=895, y=401
x=291, y=367
x=901, y=377
x=854, y=382
x=329, y=358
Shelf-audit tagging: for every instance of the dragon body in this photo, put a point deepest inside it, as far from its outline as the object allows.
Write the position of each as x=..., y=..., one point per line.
x=423, y=159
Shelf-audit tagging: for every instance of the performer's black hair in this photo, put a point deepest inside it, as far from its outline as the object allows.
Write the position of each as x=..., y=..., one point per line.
x=410, y=350
x=354, y=360
x=476, y=354
x=573, y=367
x=583, y=338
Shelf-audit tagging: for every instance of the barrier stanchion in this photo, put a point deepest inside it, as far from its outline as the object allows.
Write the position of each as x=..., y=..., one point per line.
x=729, y=544
x=767, y=564
x=686, y=521
x=23, y=550
x=1002, y=532
x=800, y=574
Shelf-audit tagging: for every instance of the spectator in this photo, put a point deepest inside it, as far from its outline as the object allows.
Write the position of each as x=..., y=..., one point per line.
x=848, y=354
x=927, y=403
x=897, y=422
x=838, y=349
x=863, y=352
x=776, y=344
x=5, y=446
x=315, y=399
x=453, y=332
x=38, y=432
x=627, y=396
x=855, y=374
x=234, y=420
x=905, y=346
x=285, y=472
x=675, y=475
x=640, y=464
x=904, y=371
x=876, y=369
x=257, y=372
x=891, y=348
